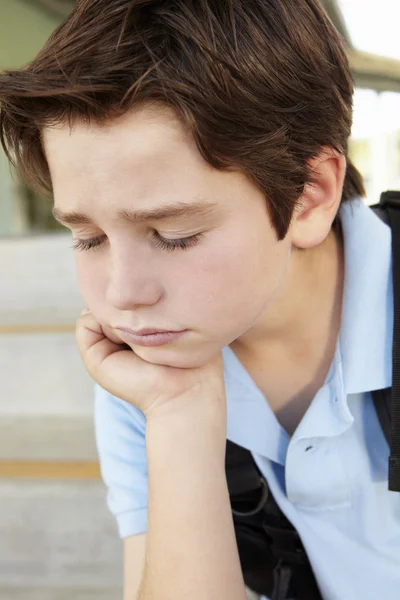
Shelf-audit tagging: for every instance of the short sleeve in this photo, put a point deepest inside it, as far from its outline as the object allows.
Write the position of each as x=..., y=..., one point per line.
x=120, y=431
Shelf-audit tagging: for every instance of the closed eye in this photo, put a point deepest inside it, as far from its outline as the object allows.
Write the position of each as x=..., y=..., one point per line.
x=178, y=244
x=89, y=244
x=159, y=242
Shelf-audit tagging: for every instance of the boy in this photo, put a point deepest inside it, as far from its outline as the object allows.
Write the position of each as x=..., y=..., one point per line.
x=198, y=152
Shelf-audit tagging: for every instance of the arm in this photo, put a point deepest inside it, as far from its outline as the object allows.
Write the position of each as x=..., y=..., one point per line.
x=191, y=549
x=134, y=556
x=191, y=546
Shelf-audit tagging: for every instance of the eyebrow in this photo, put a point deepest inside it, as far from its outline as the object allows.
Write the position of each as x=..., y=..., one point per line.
x=162, y=213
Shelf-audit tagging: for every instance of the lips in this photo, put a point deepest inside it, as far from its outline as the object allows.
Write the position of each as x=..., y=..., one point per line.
x=144, y=331
x=159, y=338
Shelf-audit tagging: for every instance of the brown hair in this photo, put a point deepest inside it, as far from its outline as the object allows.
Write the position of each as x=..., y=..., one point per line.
x=262, y=85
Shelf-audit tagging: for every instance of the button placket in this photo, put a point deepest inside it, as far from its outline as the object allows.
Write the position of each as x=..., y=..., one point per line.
x=314, y=475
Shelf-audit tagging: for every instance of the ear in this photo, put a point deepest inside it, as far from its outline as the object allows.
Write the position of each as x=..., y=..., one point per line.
x=320, y=201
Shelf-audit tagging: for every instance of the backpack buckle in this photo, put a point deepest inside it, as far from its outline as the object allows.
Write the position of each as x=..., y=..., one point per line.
x=286, y=544
x=260, y=505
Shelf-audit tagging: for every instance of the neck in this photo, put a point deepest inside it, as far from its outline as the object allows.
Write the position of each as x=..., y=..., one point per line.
x=288, y=352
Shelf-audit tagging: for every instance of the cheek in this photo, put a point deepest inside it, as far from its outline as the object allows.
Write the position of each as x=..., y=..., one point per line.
x=91, y=280
x=233, y=285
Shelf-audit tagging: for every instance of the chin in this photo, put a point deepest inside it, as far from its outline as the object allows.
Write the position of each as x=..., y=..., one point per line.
x=182, y=359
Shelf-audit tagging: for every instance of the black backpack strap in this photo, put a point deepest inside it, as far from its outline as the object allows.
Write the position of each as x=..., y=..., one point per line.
x=383, y=403
x=390, y=202
x=273, y=559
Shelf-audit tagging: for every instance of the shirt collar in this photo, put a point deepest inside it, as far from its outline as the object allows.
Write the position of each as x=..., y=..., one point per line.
x=366, y=334
x=363, y=357
x=250, y=420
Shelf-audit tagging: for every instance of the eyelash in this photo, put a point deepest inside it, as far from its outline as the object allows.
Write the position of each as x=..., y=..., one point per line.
x=160, y=242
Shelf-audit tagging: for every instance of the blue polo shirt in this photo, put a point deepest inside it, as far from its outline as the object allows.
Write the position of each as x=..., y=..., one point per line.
x=331, y=477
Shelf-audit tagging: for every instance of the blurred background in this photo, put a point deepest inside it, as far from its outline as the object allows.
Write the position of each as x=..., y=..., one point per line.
x=57, y=538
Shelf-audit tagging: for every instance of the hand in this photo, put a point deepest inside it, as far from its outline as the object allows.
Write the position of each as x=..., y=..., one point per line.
x=151, y=388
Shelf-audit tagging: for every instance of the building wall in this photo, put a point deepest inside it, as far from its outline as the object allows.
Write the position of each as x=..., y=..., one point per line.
x=23, y=30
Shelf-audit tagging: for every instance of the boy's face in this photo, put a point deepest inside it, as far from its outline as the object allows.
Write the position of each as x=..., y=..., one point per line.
x=217, y=288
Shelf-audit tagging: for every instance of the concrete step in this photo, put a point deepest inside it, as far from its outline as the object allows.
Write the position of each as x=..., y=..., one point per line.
x=54, y=533
x=41, y=281
x=58, y=540
x=59, y=594
x=43, y=374
x=57, y=534
x=47, y=438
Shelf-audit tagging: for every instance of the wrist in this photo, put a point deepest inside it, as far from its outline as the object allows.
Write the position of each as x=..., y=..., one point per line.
x=189, y=408
x=196, y=428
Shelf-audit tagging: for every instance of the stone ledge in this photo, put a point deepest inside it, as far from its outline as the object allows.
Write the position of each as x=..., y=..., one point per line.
x=41, y=280
x=58, y=535
x=59, y=594
x=47, y=438
x=49, y=470
x=43, y=374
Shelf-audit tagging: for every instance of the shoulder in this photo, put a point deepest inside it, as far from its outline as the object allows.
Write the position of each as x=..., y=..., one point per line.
x=120, y=431
x=111, y=411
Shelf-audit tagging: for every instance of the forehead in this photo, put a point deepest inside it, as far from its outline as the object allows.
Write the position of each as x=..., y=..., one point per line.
x=143, y=154
x=140, y=161
x=147, y=132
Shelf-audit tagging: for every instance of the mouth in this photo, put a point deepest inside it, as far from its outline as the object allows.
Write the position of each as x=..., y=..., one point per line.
x=144, y=331
x=148, y=336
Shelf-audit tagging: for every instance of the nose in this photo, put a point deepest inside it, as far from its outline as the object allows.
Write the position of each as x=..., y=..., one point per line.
x=131, y=283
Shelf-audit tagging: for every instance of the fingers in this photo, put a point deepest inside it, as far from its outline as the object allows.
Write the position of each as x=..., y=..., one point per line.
x=125, y=375
x=109, y=332
x=88, y=330
x=93, y=345
x=110, y=364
